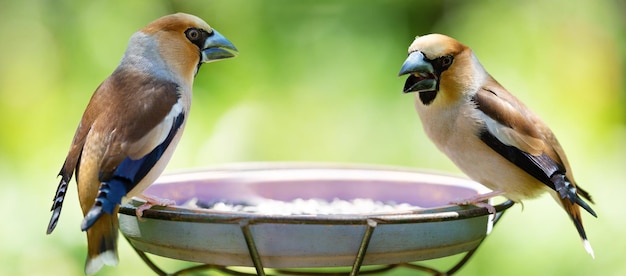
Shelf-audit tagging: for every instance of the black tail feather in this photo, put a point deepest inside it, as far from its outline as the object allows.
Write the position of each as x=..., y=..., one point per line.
x=57, y=202
x=584, y=205
x=584, y=194
x=566, y=190
x=579, y=227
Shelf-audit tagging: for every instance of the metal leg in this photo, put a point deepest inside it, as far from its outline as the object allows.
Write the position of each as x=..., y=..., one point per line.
x=254, y=254
x=367, y=236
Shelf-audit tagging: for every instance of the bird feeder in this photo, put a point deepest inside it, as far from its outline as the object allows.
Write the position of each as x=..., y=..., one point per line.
x=224, y=239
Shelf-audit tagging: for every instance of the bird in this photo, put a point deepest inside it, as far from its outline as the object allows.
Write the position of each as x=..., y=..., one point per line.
x=488, y=133
x=132, y=124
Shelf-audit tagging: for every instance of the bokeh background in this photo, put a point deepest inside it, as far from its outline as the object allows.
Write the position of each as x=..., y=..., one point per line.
x=317, y=81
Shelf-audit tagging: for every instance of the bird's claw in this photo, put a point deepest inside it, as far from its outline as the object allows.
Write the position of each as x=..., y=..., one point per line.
x=489, y=207
x=152, y=201
x=478, y=200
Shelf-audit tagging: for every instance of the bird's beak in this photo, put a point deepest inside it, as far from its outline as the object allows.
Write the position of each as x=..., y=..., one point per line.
x=422, y=78
x=217, y=47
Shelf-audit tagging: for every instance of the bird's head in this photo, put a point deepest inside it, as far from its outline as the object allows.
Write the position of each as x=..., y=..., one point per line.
x=438, y=64
x=186, y=41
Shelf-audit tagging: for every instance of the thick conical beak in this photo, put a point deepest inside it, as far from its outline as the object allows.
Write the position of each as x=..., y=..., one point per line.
x=217, y=47
x=422, y=76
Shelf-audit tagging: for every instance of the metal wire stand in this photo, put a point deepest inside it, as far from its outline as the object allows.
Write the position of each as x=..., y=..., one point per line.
x=356, y=268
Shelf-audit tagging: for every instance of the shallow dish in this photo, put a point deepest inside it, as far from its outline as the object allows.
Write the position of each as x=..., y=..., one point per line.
x=435, y=230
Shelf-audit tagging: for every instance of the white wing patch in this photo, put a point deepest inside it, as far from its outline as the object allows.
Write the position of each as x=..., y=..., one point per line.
x=157, y=135
x=510, y=137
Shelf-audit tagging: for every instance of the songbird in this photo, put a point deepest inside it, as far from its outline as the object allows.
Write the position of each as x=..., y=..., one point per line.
x=486, y=131
x=132, y=124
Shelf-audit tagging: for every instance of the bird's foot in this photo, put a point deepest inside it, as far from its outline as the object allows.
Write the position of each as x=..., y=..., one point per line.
x=152, y=201
x=478, y=200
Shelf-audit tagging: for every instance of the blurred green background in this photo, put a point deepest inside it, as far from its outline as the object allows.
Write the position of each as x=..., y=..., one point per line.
x=317, y=81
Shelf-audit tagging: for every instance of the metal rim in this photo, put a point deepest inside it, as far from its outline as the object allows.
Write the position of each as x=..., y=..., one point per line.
x=205, y=216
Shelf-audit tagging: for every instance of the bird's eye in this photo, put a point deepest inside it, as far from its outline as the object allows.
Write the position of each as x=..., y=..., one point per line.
x=192, y=34
x=446, y=61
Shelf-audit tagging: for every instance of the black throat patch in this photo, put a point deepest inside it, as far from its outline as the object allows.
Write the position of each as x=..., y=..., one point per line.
x=427, y=97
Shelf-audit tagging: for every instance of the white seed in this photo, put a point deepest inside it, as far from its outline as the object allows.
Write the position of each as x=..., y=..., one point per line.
x=299, y=206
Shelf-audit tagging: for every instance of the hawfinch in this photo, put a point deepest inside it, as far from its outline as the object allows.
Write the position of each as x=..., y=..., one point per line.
x=132, y=124
x=487, y=132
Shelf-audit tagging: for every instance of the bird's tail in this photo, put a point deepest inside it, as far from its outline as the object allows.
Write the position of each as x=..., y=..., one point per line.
x=573, y=211
x=57, y=202
x=102, y=243
x=567, y=195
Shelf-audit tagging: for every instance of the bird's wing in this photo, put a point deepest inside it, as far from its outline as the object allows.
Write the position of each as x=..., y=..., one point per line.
x=511, y=131
x=518, y=135
x=148, y=113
